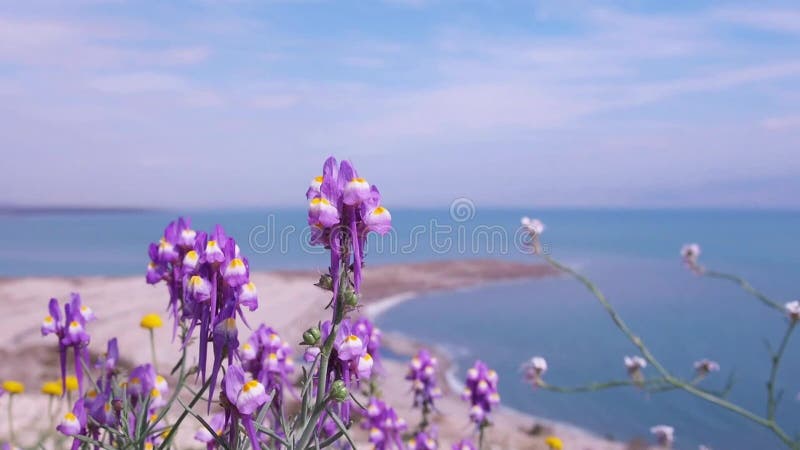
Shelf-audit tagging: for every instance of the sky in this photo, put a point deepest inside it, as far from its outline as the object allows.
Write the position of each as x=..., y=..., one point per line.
x=227, y=104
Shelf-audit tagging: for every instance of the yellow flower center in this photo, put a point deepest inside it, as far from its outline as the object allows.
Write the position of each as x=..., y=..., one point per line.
x=70, y=417
x=192, y=255
x=252, y=384
x=236, y=263
x=359, y=180
x=48, y=319
x=211, y=244
x=379, y=210
x=196, y=281
x=318, y=179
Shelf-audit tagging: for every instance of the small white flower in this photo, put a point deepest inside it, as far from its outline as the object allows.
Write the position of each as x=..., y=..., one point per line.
x=793, y=310
x=705, y=366
x=690, y=251
x=665, y=434
x=534, y=226
x=634, y=363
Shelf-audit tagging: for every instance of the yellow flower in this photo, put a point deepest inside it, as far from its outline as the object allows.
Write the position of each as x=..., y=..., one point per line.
x=151, y=321
x=13, y=387
x=554, y=443
x=72, y=383
x=52, y=388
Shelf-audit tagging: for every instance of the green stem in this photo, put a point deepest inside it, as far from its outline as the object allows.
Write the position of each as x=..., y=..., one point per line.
x=598, y=386
x=772, y=401
x=182, y=417
x=11, y=436
x=305, y=438
x=481, y=434
x=636, y=340
x=153, y=349
x=747, y=288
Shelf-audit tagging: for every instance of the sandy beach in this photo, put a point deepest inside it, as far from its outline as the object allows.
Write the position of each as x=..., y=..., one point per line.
x=290, y=303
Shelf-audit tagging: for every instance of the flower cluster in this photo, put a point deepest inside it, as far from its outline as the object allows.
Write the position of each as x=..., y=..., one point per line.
x=343, y=208
x=267, y=358
x=385, y=428
x=422, y=374
x=209, y=283
x=143, y=391
x=481, y=392
x=70, y=329
x=350, y=359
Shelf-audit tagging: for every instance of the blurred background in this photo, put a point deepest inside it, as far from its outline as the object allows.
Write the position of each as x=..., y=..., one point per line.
x=628, y=127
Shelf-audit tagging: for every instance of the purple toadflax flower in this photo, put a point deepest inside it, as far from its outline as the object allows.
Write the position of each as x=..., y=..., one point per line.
x=209, y=283
x=74, y=423
x=350, y=359
x=422, y=374
x=242, y=398
x=217, y=423
x=465, y=444
x=267, y=358
x=424, y=441
x=71, y=333
x=343, y=209
x=481, y=392
x=384, y=427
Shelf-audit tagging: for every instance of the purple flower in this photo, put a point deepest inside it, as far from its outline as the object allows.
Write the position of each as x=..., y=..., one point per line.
x=71, y=333
x=242, y=399
x=209, y=283
x=344, y=208
x=384, y=427
x=350, y=360
x=364, y=327
x=267, y=358
x=481, y=392
x=465, y=444
x=424, y=441
x=217, y=423
x=422, y=374
x=73, y=423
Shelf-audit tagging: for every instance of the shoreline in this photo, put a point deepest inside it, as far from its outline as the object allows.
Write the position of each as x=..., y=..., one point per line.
x=290, y=303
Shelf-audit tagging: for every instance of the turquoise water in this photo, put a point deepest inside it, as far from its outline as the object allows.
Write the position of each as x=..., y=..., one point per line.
x=631, y=254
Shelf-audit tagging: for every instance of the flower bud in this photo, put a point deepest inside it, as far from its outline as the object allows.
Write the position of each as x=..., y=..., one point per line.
x=325, y=282
x=350, y=298
x=338, y=391
x=311, y=336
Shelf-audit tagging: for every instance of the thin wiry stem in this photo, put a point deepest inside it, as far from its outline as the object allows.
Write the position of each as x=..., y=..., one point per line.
x=652, y=383
x=767, y=422
x=772, y=401
x=747, y=288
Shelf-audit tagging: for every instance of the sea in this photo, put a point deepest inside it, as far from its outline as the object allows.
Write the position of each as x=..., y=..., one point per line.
x=632, y=255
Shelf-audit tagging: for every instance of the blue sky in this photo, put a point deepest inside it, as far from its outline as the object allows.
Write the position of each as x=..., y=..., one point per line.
x=512, y=103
